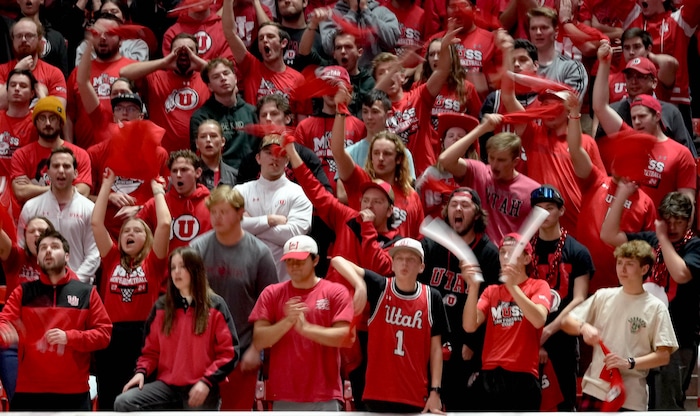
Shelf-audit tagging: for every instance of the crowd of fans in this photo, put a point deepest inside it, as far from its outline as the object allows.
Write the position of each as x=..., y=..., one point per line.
x=199, y=198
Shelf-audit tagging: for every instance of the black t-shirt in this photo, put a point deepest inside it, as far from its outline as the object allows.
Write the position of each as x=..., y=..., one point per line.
x=376, y=284
x=442, y=272
x=685, y=305
x=575, y=263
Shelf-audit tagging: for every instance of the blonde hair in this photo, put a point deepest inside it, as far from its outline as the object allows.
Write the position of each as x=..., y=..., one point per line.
x=402, y=175
x=128, y=262
x=224, y=193
x=505, y=141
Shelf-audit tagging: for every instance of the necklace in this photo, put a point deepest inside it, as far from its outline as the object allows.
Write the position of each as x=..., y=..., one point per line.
x=554, y=265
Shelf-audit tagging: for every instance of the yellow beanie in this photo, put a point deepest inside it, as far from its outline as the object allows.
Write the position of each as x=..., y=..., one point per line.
x=49, y=104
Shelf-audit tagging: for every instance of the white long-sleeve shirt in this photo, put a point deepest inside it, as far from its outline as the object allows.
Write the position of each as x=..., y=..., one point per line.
x=73, y=222
x=282, y=197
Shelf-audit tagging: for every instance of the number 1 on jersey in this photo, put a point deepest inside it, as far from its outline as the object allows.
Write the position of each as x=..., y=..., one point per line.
x=399, y=344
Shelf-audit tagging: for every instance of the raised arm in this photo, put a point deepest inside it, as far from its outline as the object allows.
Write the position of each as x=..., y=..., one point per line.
x=442, y=72
x=228, y=21
x=161, y=235
x=87, y=93
x=608, y=118
x=610, y=231
x=675, y=264
x=580, y=159
x=139, y=70
x=317, y=16
x=452, y=158
x=102, y=237
x=343, y=161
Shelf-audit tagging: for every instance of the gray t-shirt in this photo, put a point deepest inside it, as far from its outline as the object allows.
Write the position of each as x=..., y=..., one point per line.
x=238, y=273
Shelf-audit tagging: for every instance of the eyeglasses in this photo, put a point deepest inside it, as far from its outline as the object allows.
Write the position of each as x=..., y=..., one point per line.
x=43, y=118
x=131, y=109
x=26, y=36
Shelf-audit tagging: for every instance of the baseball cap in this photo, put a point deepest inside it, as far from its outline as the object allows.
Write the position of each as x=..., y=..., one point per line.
x=334, y=74
x=299, y=248
x=408, y=244
x=49, y=104
x=468, y=192
x=271, y=139
x=647, y=101
x=557, y=95
x=546, y=193
x=642, y=65
x=128, y=97
x=512, y=239
x=448, y=120
x=382, y=186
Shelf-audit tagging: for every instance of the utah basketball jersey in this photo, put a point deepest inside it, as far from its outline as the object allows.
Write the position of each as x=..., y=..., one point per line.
x=398, y=350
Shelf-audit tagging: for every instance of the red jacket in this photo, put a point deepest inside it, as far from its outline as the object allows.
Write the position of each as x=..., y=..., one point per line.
x=73, y=306
x=183, y=358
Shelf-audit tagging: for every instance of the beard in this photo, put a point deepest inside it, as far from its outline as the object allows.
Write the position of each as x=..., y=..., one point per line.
x=106, y=53
x=49, y=136
x=57, y=267
x=291, y=16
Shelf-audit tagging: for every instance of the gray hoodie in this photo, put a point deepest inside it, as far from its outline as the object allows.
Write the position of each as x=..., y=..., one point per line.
x=382, y=20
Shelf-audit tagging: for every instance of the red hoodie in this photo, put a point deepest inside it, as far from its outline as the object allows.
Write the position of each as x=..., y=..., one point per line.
x=70, y=305
x=190, y=215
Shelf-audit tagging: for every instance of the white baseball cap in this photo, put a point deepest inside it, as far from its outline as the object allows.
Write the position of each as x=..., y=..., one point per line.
x=408, y=244
x=299, y=248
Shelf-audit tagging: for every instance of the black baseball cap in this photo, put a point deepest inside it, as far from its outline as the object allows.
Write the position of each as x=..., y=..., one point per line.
x=546, y=193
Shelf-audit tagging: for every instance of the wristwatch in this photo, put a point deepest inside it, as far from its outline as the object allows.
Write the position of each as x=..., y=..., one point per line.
x=438, y=390
x=632, y=362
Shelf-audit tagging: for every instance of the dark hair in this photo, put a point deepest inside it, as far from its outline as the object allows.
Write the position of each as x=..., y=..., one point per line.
x=338, y=33
x=676, y=204
x=481, y=220
x=213, y=64
x=107, y=16
x=199, y=288
x=52, y=233
x=377, y=95
x=280, y=101
x=132, y=84
x=635, y=32
x=185, y=154
x=183, y=35
x=63, y=149
x=27, y=73
x=123, y=7
x=280, y=31
x=528, y=46
x=36, y=217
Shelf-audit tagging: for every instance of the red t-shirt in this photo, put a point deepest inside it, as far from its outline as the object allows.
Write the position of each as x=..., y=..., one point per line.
x=103, y=75
x=19, y=268
x=447, y=101
x=597, y=193
x=671, y=32
x=315, y=133
x=408, y=209
x=172, y=100
x=15, y=132
x=548, y=161
x=671, y=167
x=46, y=74
x=319, y=379
x=260, y=81
x=211, y=42
x=130, y=297
x=399, y=338
x=411, y=24
x=511, y=341
x=32, y=160
x=411, y=121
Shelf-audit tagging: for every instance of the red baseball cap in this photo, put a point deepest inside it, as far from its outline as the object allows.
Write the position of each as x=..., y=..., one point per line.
x=512, y=239
x=647, y=101
x=642, y=65
x=334, y=75
x=448, y=120
x=382, y=186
